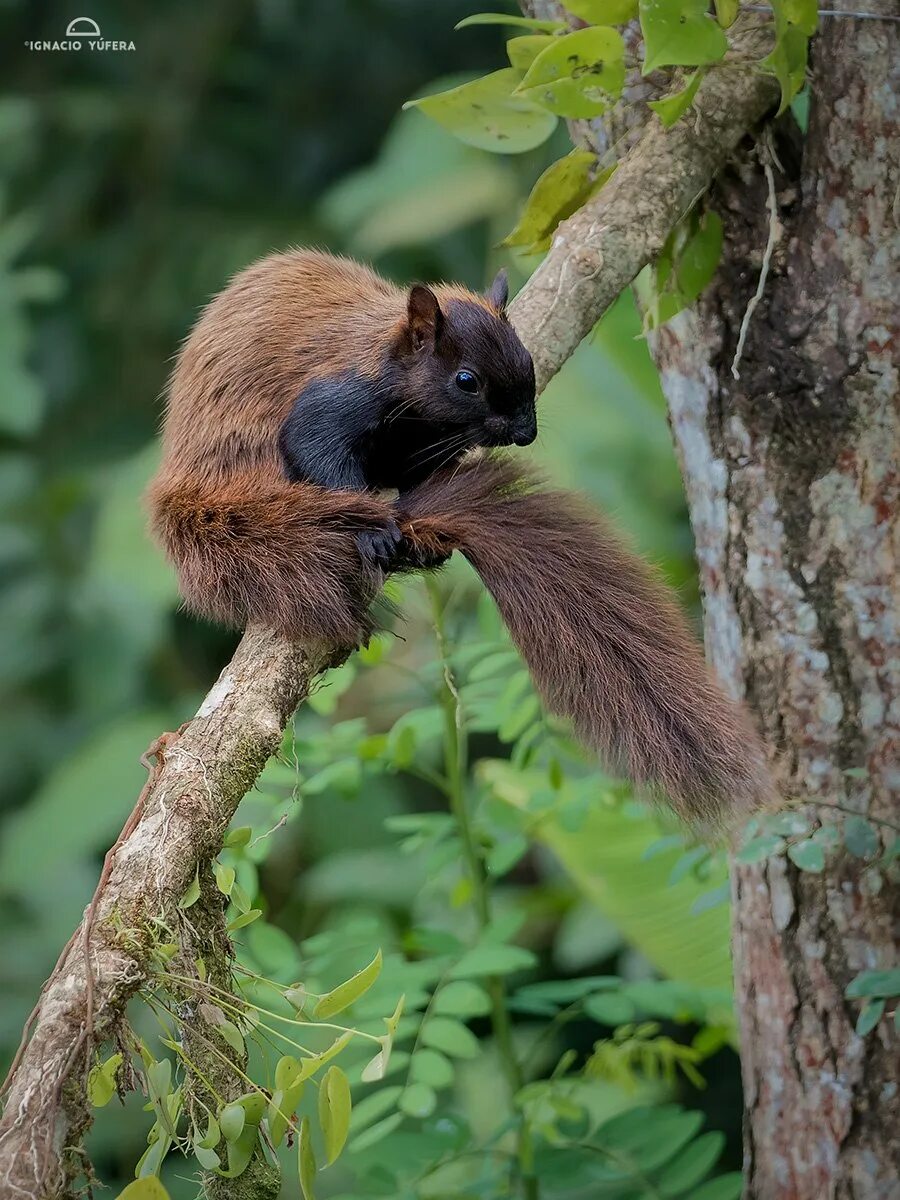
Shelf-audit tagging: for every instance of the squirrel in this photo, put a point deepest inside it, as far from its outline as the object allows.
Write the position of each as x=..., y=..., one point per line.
x=308, y=387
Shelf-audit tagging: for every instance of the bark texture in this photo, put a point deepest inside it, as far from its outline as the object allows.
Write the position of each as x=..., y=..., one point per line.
x=792, y=477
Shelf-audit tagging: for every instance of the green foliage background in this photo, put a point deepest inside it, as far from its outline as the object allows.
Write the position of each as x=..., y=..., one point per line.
x=133, y=186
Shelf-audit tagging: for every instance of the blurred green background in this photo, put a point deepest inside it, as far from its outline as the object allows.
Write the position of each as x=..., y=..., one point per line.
x=133, y=186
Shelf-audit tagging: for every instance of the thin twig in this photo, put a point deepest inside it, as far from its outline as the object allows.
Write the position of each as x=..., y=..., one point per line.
x=774, y=227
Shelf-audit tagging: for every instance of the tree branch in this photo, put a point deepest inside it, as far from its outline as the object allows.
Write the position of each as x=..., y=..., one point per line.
x=595, y=254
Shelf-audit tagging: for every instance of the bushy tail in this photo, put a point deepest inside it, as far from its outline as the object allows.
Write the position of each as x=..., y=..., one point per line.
x=281, y=554
x=604, y=641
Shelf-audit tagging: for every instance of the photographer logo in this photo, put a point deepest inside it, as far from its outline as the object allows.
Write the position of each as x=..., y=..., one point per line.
x=82, y=33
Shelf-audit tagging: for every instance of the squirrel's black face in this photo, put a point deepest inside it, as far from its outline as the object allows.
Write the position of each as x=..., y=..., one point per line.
x=464, y=370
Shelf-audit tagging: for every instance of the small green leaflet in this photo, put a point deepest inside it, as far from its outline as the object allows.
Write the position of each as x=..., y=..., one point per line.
x=787, y=62
x=102, y=1081
x=450, y=1037
x=521, y=52
x=148, y=1188
x=489, y=959
x=334, y=1111
x=560, y=191
x=418, y=1100
x=869, y=1016
x=726, y=12
x=505, y=19
x=486, y=114
x=874, y=984
x=672, y=107
x=760, y=848
x=224, y=878
x=680, y=33
x=603, y=12
x=344, y=994
x=459, y=998
x=808, y=855
x=579, y=75
x=431, y=1067
x=860, y=837
x=192, y=894
x=306, y=1161
x=235, y=839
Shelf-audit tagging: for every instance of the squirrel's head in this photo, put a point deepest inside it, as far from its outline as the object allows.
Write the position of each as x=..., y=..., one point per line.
x=464, y=368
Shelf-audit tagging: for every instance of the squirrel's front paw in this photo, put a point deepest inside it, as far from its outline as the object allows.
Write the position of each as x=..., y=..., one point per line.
x=379, y=547
x=413, y=556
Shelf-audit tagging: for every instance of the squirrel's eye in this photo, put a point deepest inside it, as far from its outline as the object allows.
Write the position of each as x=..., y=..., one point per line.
x=466, y=381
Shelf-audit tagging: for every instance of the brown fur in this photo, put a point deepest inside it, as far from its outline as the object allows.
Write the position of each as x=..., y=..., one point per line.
x=606, y=645
x=248, y=545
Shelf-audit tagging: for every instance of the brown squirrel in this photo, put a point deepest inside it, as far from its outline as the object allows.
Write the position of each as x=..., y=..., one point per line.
x=309, y=384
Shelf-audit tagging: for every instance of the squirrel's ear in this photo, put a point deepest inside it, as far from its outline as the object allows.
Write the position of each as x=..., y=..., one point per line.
x=424, y=316
x=498, y=293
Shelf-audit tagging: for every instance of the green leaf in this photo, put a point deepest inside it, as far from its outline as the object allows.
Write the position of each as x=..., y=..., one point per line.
x=492, y=960
x=206, y=1157
x=451, y=1037
x=459, y=998
x=787, y=62
x=869, y=1016
x=345, y=994
x=224, y=878
x=726, y=12
x=679, y=33
x=804, y=14
x=521, y=52
x=192, y=895
x=712, y=899
x=504, y=856
x=760, y=848
x=232, y=1119
x=506, y=19
x=671, y=107
x=611, y=1008
x=309, y=1066
x=148, y=1188
x=685, y=266
x=579, y=75
x=431, y=1067
x=603, y=12
x=239, y=898
x=486, y=114
x=874, y=984
x=211, y=1138
x=787, y=824
x=861, y=838
x=692, y=1165
x=376, y=1132
x=246, y=918
x=230, y=1033
x=604, y=859
x=726, y=1187
x=374, y=1106
x=418, y=1100
x=306, y=1161
x=808, y=856
x=334, y=1111
x=289, y=1086
x=101, y=1086
x=237, y=838
x=559, y=192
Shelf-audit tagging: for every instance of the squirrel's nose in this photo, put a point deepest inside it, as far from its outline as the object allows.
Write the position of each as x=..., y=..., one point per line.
x=525, y=430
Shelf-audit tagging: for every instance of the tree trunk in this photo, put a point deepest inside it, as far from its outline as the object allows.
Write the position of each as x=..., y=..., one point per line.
x=792, y=480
